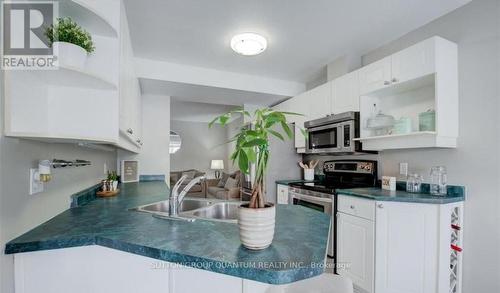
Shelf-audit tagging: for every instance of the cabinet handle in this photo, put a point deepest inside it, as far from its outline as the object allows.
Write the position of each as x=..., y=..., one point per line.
x=130, y=131
x=394, y=80
x=387, y=82
x=380, y=206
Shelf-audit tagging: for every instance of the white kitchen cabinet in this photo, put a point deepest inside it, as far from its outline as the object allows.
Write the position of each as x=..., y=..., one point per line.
x=96, y=104
x=355, y=250
x=423, y=77
x=282, y=193
x=130, y=93
x=375, y=76
x=413, y=62
x=345, y=93
x=407, y=247
x=318, y=101
x=70, y=104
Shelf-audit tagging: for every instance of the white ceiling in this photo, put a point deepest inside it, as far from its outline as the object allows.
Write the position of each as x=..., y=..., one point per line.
x=197, y=112
x=207, y=94
x=302, y=35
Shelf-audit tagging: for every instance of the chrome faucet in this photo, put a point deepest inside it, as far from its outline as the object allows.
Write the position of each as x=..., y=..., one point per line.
x=176, y=199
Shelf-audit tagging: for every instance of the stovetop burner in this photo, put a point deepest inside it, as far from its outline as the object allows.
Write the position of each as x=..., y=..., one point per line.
x=342, y=174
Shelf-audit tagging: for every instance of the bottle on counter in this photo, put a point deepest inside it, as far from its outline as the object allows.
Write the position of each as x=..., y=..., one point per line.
x=438, y=184
x=414, y=183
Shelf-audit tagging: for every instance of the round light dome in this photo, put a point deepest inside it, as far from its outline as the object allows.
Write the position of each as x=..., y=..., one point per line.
x=248, y=44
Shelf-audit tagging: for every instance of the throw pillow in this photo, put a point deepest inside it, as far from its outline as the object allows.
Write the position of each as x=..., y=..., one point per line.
x=230, y=183
x=223, y=180
x=189, y=174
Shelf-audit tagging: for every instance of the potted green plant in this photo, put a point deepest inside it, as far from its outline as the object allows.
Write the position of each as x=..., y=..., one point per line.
x=71, y=42
x=256, y=219
x=113, y=179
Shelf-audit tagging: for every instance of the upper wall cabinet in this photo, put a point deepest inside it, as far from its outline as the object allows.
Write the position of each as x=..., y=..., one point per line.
x=421, y=95
x=375, y=76
x=318, y=101
x=345, y=93
x=71, y=104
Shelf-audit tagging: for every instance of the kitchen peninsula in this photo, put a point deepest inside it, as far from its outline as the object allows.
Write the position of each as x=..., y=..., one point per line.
x=103, y=244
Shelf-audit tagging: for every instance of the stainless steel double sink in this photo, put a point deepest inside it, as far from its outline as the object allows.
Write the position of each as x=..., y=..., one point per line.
x=224, y=211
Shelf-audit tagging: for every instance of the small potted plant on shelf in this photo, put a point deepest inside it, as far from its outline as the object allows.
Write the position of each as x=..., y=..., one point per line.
x=71, y=42
x=256, y=219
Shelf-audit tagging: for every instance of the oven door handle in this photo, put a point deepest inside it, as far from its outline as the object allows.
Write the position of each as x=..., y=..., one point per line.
x=311, y=198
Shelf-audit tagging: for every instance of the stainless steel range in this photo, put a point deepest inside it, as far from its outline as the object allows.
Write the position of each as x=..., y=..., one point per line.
x=321, y=195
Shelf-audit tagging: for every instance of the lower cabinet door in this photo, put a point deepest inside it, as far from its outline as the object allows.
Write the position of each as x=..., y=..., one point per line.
x=282, y=194
x=355, y=250
x=407, y=251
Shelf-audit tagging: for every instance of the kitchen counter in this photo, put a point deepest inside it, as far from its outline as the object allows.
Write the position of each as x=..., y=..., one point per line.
x=298, y=250
x=286, y=182
x=455, y=194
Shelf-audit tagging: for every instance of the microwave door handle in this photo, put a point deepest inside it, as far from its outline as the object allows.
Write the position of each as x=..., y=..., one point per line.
x=340, y=136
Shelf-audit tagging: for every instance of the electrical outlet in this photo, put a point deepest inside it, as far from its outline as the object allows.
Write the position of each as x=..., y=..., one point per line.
x=403, y=169
x=35, y=185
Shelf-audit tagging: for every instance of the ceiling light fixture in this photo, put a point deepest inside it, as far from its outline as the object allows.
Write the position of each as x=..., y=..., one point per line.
x=248, y=44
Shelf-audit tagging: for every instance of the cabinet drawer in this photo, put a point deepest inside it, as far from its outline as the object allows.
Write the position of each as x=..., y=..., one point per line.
x=364, y=208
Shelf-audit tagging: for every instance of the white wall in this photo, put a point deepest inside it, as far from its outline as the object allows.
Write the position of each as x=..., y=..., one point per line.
x=19, y=212
x=231, y=130
x=200, y=145
x=154, y=158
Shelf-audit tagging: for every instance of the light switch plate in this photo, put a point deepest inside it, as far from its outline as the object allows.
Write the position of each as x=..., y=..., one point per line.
x=403, y=169
x=35, y=185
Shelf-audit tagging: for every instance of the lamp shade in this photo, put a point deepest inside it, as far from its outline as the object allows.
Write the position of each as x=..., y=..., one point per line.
x=217, y=165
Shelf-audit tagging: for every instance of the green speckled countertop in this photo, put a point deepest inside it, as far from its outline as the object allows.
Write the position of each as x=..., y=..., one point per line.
x=455, y=194
x=301, y=237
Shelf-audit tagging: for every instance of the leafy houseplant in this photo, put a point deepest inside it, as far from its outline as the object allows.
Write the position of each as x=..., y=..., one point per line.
x=66, y=30
x=113, y=180
x=256, y=219
x=73, y=43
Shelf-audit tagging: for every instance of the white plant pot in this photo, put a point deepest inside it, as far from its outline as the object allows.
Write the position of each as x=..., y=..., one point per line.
x=115, y=185
x=256, y=226
x=70, y=55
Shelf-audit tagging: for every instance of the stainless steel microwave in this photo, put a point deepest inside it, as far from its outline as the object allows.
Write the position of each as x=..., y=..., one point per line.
x=334, y=134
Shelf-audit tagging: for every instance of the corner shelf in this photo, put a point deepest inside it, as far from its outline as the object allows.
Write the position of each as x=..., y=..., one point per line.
x=73, y=77
x=87, y=17
x=419, y=139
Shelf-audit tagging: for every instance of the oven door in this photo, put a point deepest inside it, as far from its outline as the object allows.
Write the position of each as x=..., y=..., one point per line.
x=324, y=139
x=323, y=205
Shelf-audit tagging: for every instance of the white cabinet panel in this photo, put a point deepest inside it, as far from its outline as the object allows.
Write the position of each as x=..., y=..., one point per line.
x=300, y=138
x=407, y=247
x=189, y=280
x=282, y=193
x=318, y=101
x=413, y=62
x=355, y=250
x=375, y=76
x=345, y=93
